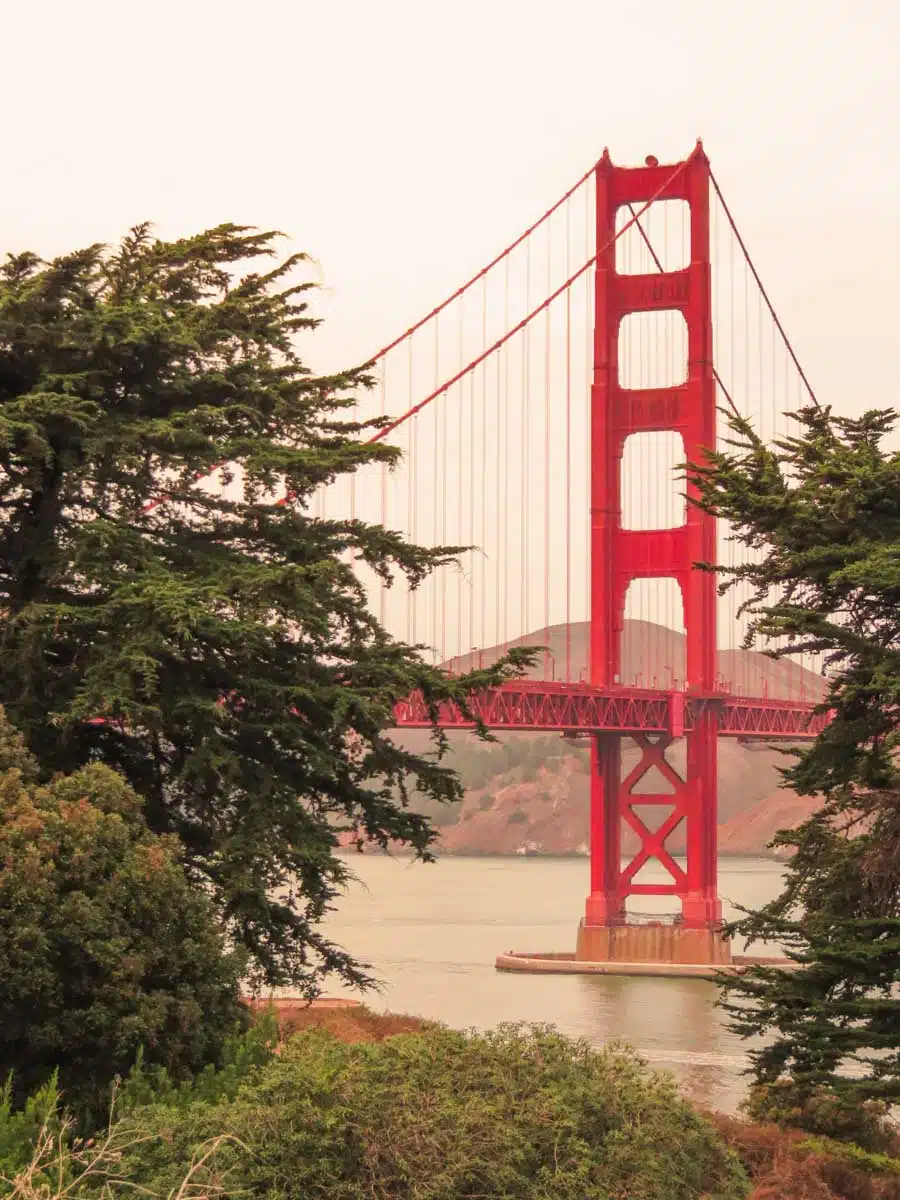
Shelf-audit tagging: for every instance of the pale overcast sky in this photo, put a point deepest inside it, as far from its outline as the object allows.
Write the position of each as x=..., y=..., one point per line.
x=403, y=142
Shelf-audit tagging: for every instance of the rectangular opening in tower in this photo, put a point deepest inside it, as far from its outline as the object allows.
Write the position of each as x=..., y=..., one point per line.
x=652, y=490
x=653, y=649
x=652, y=350
x=660, y=239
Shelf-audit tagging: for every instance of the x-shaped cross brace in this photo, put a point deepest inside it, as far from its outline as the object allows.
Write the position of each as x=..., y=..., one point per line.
x=653, y=842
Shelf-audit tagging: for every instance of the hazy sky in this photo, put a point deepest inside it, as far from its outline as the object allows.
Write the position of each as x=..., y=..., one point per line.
x=403, y=142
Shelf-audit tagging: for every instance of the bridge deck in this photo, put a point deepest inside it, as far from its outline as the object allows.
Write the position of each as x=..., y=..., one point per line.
x=578, y=708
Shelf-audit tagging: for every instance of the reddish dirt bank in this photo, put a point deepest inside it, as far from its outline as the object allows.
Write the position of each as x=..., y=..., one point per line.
x=348, y=1020
x=551, y=813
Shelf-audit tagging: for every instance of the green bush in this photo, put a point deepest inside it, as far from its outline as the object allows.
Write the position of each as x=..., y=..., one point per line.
x=106, y=947
x=823, y=1113
x=864, y=1160
x=444, y=1115
x=21, y=1128
x=42, y=1156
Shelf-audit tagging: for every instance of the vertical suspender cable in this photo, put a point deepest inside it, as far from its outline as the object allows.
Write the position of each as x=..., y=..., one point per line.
x=525, y=490
x=464, y=486
x=504, y=464
x=412, y=524
x=567, y=466
x=588, y=399
x=498, y=497
x=740, y=673
x=438, y=461
x=481, y=556
x=547, y=563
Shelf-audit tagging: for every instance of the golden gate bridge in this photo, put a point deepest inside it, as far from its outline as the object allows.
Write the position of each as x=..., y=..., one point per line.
x=543, y=410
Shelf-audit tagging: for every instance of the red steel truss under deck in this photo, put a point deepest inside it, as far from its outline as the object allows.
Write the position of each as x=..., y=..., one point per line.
x=579, y=708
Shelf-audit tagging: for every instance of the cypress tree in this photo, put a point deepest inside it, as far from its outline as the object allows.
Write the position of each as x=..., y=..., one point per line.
x=820, y=513
x=213, y=645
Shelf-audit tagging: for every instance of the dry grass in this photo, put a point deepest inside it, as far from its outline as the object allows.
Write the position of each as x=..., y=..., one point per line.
x=351, y=1023
x=64, y=1170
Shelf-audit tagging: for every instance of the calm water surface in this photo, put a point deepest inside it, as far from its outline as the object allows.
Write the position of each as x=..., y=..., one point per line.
x=431, y=933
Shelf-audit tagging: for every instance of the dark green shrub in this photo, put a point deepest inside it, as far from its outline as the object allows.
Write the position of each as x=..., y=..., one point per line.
x=242, y=1057
x=105, y=945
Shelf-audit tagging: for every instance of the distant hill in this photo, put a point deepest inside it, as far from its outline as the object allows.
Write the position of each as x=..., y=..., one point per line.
x=531, y=791
x=654, y=656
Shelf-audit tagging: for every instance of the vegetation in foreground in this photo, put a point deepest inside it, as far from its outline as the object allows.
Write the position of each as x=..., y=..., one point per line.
x=436, y=1115
x=821, y=511
x=378, y=1097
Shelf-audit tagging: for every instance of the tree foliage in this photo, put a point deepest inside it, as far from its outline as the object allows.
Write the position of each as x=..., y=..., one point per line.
x=821, y=512
x=245, y=688
x=107, y=950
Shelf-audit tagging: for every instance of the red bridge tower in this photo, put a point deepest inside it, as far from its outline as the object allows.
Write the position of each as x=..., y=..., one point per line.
x=619, y=556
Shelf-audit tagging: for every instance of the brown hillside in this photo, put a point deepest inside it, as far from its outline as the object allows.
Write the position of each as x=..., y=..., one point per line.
x=748, y=831
x=550, y=814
